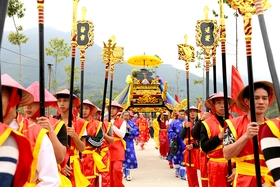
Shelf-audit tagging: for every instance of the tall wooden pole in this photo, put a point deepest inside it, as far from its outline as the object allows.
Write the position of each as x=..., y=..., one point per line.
x=186, y=53
x=73, y=54
x=3, y=11
x=224, y=67
x=246, y=9
x=41, y=56
x=214, y=69
x=268, y=51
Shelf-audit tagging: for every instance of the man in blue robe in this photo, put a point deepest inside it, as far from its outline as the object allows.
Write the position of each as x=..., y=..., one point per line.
x=174, y=134
x=132, y=132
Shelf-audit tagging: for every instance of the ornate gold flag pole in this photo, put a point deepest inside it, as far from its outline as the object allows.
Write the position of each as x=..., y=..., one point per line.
x=116, y=57
x=207, y=38
x=186, y=53
x=85, y=38
x=41, y=56
x=106, y=54
x=3, y=11
x=246, y=9
x=73, y=53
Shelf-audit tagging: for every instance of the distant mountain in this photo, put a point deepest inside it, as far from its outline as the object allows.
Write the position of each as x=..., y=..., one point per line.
x=94, y=68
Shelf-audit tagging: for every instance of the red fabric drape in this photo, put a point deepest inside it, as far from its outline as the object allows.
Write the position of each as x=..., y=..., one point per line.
x=236, y=85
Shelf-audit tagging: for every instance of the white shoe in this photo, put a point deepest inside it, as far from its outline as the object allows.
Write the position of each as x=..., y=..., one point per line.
x=128, y=178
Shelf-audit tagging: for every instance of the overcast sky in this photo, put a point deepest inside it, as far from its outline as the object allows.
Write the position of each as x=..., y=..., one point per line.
x=157, y=26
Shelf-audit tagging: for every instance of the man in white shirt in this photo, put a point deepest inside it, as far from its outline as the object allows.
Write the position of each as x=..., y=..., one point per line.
x=118, y=147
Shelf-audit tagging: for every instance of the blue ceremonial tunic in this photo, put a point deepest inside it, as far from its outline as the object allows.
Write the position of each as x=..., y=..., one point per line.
x=130, y=161
x=174, y=131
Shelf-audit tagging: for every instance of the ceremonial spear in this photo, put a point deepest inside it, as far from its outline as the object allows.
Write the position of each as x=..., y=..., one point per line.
x=269, y=56
x=186, y=53
x=207, y=38
x=224, y=67
x=3, y=10
x=247, y=10
x=116, y=57
x=73, y=53
x=84, y=40
x=41, y=56
x=106, y=53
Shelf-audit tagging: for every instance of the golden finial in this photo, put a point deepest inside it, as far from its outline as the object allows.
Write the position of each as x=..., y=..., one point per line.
x=113, y=38
x=186, y=38
x=222, y=18
x=84, y=11
x=206, y=10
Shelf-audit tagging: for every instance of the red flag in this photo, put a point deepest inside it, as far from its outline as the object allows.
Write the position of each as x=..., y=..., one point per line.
x=177, y=98
x=236, y=85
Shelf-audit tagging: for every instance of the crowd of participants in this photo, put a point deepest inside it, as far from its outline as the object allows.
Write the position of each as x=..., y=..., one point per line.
x=215, y=140
x=34, y=149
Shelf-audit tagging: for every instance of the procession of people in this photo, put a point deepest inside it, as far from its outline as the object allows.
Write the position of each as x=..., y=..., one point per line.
x=82, y=145
x=103, y=154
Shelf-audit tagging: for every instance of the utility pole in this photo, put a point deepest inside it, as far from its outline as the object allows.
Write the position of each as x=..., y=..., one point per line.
x=49, y=76
x=49, y=82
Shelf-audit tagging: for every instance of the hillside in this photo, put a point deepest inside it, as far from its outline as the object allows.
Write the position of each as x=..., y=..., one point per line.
x=94, y=68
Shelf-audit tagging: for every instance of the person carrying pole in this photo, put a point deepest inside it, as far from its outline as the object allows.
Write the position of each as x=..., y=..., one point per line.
x=211, y=138
x=238, y=143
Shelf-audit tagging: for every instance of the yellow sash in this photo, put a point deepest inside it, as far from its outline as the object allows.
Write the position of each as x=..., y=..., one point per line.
x=103, y=152
x=218, y=159
x=122, y=140
x=80, y=179
x=96, y=158
x=245, y=168
x=30, y=184
x=64, y=181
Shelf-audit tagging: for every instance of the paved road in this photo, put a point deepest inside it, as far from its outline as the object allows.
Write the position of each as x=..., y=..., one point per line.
x=152, y=171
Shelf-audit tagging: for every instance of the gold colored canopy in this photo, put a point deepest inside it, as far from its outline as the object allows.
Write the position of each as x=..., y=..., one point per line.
x=144, y=61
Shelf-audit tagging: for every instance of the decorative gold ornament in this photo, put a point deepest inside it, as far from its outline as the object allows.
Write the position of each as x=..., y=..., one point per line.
x=85, y=34
x=148, y=109
x=182, y=105
x=186, y=52
x=207, y=36
x=247, y=6
x=163, y=95
x=147, y=99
